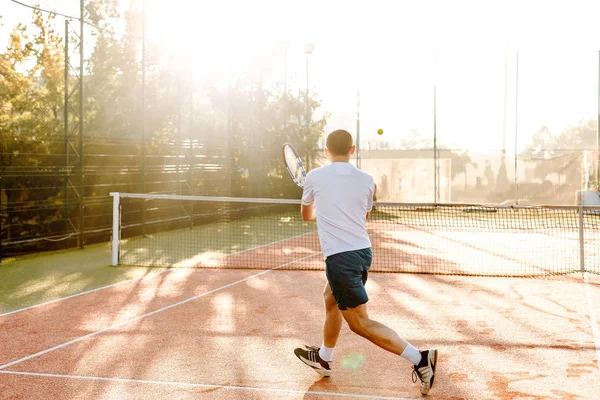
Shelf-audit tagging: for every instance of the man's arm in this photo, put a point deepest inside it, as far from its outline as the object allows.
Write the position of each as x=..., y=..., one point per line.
x=370, y=200
x=308, y=212
x=307, y=208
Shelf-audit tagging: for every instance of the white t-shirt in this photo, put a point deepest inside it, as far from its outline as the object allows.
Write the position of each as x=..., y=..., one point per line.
x=343, y=195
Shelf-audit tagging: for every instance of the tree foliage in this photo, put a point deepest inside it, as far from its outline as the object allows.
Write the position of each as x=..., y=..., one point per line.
x=31, y=87
x=561, y=154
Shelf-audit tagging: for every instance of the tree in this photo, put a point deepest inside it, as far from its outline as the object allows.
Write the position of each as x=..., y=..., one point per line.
x=241, y=128
x=502, y=181
x=489, y=175
x=459, y=161
x=249, y=122
x=113, y=96
x=415, y=140
x=561, y=154
x=30, y=126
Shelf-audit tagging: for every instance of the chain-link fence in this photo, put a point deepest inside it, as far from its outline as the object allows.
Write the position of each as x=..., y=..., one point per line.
x=86, y=115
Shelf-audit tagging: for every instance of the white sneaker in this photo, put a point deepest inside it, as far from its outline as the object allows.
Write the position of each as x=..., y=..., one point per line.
x=425, y=371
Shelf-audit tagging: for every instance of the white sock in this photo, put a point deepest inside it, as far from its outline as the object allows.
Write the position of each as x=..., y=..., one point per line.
x=411, y=354
x=326, y=353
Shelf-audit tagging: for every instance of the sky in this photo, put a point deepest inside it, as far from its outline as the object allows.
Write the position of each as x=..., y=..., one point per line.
x=394, y=53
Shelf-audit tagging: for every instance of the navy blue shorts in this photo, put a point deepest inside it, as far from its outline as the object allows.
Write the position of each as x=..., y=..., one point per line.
x=347, y=274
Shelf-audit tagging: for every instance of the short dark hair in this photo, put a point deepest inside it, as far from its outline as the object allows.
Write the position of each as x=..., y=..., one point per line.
x=339, y=142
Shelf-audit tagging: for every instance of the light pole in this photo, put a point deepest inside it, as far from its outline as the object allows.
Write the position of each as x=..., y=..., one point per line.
x=308, y=49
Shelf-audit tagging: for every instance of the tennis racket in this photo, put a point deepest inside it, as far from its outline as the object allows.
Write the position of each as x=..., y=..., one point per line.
x=294, y=165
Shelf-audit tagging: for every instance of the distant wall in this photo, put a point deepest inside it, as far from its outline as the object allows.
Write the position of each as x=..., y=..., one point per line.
x=590, y=198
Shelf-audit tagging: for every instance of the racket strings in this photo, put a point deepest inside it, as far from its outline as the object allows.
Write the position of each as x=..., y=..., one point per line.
x=294, y=164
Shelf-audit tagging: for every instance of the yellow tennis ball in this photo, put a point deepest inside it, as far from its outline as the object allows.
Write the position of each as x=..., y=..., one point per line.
x=380, y=131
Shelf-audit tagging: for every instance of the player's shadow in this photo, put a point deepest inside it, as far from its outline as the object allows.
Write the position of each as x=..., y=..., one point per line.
x=321, y=387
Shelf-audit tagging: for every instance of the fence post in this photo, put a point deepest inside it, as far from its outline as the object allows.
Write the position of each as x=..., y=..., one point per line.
x=116, y=228
x=1, y=193
x=143, y=117
x=581, y=238
x=517, y=131
x=358, y=155
x=81, y=131
x=436, y=160
x=67, y=173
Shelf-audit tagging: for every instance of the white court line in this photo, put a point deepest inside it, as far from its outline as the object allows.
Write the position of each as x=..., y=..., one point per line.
x=593, y=320
x=209, y=386
x=140, y=278
x=60, y=346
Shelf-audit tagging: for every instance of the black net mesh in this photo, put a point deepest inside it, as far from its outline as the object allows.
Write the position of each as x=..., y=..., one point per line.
x=201, y=232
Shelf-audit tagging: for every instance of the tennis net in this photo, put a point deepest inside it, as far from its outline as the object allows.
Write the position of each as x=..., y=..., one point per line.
x=463, y=239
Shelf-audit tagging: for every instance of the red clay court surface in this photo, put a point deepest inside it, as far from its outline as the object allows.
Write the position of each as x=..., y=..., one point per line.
x=230, y=334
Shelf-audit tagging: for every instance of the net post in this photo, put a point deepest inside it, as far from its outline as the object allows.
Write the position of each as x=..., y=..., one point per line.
x=581, y=241
x=116, y=225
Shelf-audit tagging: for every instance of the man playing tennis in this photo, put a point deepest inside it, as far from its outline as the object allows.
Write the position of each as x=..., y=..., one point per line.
x=343, y=196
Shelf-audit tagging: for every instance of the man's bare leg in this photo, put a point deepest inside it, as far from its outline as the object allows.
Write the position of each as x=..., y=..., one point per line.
x=359, y=322
x=384, y=337
x=333, y=319
x=319, y=358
